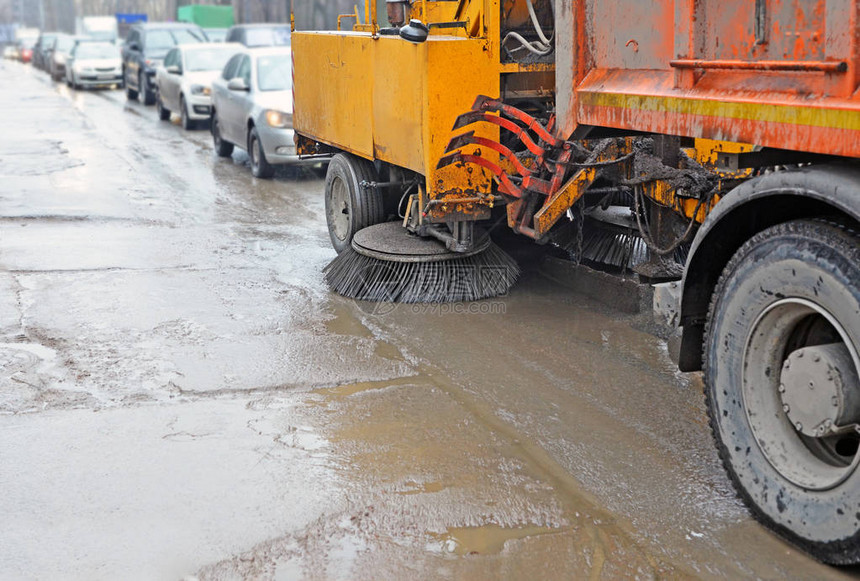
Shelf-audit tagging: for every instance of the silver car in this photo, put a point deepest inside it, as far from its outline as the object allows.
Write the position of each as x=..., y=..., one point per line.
x=183, y=83
x=63, y=45
x=94, y=64
x=252, y=108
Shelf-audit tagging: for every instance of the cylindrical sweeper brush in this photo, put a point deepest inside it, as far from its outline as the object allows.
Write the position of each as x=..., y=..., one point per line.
x=387, y=263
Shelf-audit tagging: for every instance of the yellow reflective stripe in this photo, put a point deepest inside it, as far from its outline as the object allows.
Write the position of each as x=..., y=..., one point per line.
x=789, y=114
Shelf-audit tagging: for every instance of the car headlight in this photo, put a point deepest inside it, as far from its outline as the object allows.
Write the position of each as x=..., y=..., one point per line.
x=59, y=58
x=200, y=90
x=279, y=119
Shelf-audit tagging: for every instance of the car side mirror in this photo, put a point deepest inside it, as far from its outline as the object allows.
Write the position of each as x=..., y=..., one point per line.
x=134, y=46
x=174, y=70
x=237, y=84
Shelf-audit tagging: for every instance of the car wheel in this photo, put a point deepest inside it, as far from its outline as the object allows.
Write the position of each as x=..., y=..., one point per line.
x=222, y=148
x=348, y=206
x=146, y=93
x=187, y=122
x=130, y=93
x=782, y=388
x=260, y=167
x=163, y=113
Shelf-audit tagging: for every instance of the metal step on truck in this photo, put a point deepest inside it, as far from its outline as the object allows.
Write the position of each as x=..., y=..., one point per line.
x=710, y=142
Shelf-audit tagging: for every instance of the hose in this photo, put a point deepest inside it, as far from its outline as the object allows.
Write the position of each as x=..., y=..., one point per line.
x=542, y=47
x=537, y=48
x=645, y=231
x=538, y=29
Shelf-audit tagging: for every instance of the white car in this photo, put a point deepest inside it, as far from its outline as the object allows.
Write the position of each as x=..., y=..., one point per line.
x=183, y=82
x=252, y=108
x=93, y=64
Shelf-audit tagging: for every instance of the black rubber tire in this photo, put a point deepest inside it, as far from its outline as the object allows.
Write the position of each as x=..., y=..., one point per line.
x=187, y=123
x=147, y=95
x=163, y=112
x=260, y=166
x=130, y=93
x=817, y=262
x=363, y=206
x=222, y=148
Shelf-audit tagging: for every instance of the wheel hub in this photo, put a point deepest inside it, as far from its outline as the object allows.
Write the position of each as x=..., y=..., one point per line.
x=339, y=209
x=819, y=389
x=808, y=439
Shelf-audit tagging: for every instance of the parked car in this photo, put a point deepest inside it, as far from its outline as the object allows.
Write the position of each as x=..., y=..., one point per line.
x=25, y=40
x=25, y=49
x=252, y=108
x=184, y=82
x=10, y=51
x=58, y=53
x=144, y=51
x=256, y=35
x=93, y=63
x=40, y=50
x=216, y=34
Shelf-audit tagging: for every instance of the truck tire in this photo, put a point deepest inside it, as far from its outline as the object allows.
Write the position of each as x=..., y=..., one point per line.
x=348, y=206
x=789, y=291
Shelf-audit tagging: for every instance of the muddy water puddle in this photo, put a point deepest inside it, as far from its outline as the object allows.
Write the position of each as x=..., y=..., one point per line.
x=485, y=540
x=450, y=486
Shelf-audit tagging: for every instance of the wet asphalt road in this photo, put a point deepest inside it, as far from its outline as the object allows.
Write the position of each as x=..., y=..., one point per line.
x=181, y=397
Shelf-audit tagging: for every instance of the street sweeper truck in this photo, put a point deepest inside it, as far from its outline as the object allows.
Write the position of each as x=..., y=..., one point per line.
x=715, y=142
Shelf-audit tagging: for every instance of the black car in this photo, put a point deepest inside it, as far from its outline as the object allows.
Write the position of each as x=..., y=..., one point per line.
x=253, y=35
x=45, y=42
x=144, y=50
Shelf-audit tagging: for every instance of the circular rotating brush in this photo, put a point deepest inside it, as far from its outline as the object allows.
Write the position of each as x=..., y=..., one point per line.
x=386, y=263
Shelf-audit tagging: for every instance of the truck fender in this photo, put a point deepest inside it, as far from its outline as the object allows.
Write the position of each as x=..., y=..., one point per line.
x=758, y=203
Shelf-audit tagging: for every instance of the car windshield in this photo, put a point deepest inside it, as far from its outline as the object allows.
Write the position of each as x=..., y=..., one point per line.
x=46, y=40
x=185, y=35
x=274, y=36
x=163, y=39
x=102, y=34
x=212, y=59
x=96, y=50
x=64, y=44
x=216, y=34
x=274, y=73
x=159, y=39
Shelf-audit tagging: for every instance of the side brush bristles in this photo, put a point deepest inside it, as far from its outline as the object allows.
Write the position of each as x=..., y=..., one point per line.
x=487, y=274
